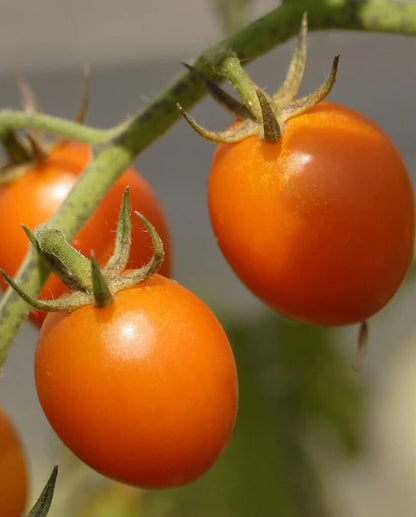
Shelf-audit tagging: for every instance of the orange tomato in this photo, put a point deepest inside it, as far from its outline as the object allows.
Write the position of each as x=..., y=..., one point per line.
x=145, y=390
x=34, y=197
x=13, y=474
x=320, y=226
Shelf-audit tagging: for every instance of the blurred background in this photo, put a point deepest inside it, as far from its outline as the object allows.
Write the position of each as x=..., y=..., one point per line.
x=313, y=438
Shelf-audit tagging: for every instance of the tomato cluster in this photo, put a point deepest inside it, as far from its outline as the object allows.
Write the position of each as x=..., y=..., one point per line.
x=317, y=220
x=145, y=390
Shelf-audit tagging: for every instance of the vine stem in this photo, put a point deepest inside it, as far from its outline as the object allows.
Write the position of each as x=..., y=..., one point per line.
x=120, y=146
x=13, y=119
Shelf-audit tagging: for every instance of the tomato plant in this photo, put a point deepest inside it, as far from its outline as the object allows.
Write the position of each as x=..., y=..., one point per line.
x=144, y=390
x=35, y=196
x=13, y=474
x=320, y=226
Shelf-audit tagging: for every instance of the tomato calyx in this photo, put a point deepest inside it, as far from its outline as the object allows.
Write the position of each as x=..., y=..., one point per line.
x=260, y=114
x=31, y=147
x=89, y=283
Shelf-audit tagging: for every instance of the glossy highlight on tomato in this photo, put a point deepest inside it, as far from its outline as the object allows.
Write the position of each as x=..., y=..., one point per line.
x=145, y=390
x=320, y=226
x=13, y=473
x=35, y=196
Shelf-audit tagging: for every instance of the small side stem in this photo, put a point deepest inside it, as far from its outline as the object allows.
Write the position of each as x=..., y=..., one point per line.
x=11, y=119
x=231, y=69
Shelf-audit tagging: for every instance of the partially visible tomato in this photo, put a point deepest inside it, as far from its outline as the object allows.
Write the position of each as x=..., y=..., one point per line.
x=320, y=226
x=34, y=197
x=13, y=474
x=145, y=390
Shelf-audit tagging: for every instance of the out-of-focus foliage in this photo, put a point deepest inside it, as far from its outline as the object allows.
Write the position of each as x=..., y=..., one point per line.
x=297, y=393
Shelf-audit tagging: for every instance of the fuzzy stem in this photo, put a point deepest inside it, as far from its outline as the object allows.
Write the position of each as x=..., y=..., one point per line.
x=11, y=119
x=254, y=40
x=231, y=69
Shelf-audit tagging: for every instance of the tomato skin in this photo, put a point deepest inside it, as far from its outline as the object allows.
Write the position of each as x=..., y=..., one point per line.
x=144, y=391
x=13, y=473
x=320, y=226
x=34, y=197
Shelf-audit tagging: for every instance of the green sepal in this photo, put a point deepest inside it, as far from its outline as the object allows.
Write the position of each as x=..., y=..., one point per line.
x=36, y=139
x=31, y=236
x=294, y=76
x=62, y=304
x=271, y=128
x=118, y=261
x=37, y=152
x=158, y=249
x=229, y=136
x=16, y=151
x=42, y=505
x=101, y=290
x=136, y=276
x=85, y=97
x=63, y=259
x=299, y=106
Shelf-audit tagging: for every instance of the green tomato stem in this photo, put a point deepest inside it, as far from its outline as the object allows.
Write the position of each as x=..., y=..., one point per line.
x=107, y=165
x=231, y=69
x=11, y=119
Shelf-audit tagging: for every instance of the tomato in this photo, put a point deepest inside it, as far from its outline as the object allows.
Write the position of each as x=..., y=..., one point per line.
x=13, y=474
x=320, y=226
x=145, y=390
x=34, y=197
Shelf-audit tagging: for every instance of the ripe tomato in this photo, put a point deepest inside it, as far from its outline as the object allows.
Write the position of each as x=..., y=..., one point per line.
x=13, y=474
x=34, y=197
x=320, y=226
x=145, y=390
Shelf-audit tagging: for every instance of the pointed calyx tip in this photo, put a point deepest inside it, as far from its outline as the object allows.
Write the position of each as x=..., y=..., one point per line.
x=260, y=114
